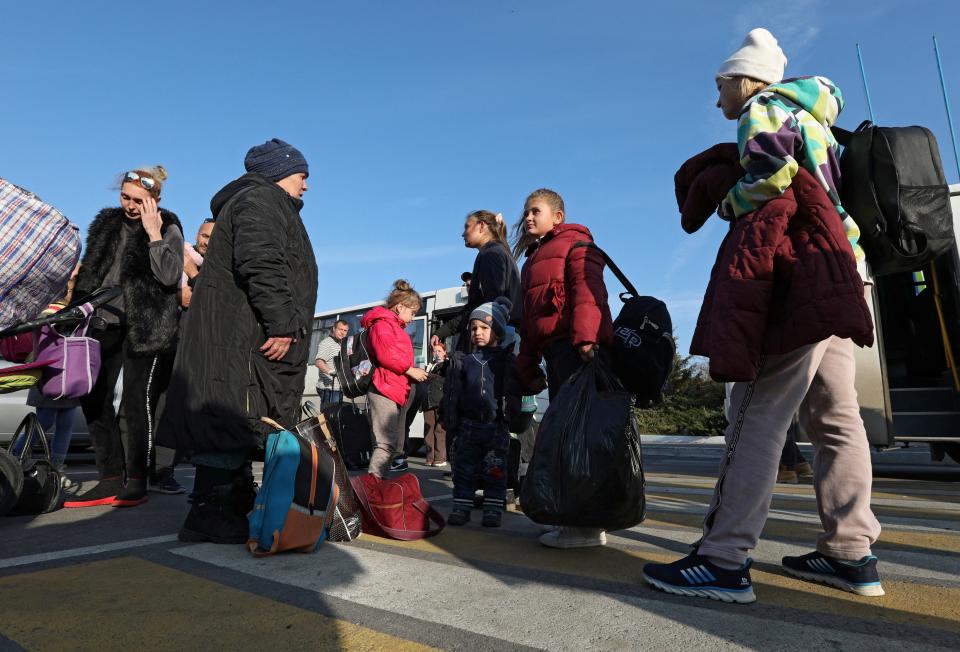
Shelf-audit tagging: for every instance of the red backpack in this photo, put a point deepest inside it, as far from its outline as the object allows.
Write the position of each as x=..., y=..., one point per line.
x=395, y=508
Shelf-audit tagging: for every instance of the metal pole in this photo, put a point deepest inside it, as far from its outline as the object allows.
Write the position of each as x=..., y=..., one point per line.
x=946, y=103
x=866, y=89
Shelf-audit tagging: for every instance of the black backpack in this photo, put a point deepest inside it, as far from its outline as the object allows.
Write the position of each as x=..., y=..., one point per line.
x=643, y=344
x=894, y=188
x=355, y=370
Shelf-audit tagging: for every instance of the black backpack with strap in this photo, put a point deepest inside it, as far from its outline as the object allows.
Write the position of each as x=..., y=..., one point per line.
x=643, y=344
x=894, y=188
x=355, y=369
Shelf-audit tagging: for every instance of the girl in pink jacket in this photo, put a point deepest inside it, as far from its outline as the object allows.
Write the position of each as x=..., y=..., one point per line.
x=392, y=355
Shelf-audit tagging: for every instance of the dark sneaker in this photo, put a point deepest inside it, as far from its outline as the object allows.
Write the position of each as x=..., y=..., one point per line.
x=860, y=577
x=135, y=493
x=213, y=518
x=699, y=577
x=399, y=464
x=459, y=517
x=491, y=518
x=165, y=483
x=103, y=494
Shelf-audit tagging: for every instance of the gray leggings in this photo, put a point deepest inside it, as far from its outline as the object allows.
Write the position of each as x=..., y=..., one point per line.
x=387, y=422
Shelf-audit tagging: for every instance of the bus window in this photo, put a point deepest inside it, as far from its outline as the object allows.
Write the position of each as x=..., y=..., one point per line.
x=417, y=330
x=353, y=319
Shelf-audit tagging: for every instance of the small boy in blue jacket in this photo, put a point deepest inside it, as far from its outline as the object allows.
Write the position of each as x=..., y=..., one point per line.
x=481, y=394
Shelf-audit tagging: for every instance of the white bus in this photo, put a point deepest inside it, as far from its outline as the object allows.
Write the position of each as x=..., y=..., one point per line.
x=438, y=306
x=907, y=383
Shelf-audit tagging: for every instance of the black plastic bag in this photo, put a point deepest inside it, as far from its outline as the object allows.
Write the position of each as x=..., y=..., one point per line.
x=587, y=469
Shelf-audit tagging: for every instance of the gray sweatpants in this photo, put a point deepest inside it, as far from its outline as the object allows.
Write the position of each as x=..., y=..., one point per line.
x=816, y=380
x=387, y=423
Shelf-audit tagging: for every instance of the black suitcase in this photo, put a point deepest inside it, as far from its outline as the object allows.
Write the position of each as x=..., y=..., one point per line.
x=351, y=429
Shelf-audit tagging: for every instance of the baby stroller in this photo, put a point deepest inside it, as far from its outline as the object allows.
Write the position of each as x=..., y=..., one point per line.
x=65, y=362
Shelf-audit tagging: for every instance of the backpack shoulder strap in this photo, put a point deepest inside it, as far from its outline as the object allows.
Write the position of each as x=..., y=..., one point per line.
x=843, y=136
x=612, y=265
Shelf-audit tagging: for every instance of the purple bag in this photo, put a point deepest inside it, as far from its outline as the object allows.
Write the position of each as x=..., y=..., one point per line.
x=74, y=360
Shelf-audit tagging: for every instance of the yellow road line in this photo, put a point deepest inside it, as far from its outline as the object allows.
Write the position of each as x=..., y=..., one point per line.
x=129, y=603
x=908, y=603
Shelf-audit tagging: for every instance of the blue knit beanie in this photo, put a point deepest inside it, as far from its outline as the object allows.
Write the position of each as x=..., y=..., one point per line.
x=275, y=160
x=495, y=314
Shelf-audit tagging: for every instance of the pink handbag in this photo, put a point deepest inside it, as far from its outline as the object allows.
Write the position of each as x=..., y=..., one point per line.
x=74, y=359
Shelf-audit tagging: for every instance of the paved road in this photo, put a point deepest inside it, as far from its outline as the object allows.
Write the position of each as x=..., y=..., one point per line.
x=112, y=579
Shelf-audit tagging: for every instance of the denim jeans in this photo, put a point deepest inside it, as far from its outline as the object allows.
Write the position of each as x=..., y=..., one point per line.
x=58, y=421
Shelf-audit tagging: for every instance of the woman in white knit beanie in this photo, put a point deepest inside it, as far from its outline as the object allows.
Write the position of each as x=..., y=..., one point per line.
x=784, y=125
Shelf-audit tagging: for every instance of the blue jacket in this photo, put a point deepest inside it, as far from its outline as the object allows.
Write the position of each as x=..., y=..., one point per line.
x=481, y=386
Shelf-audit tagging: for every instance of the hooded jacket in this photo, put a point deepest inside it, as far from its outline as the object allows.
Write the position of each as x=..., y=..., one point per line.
x=259, y=281
x=564, y=296
x=781, y=129
x=152, y=309
x=392, y=353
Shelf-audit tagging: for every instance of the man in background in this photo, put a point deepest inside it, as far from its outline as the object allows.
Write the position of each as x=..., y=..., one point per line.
x=328, y=385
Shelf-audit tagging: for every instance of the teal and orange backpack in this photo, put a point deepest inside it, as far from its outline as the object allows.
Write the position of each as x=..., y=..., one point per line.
x=295, y=504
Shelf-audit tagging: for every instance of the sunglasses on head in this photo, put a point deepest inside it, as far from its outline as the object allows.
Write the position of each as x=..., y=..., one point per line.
x=148, y=183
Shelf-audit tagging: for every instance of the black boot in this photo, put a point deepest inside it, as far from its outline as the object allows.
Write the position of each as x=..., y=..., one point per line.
x=214, y=518
x=135, y=493
x=243, y=490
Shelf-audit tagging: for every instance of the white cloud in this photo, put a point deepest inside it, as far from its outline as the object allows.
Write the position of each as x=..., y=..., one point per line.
x=796, y=25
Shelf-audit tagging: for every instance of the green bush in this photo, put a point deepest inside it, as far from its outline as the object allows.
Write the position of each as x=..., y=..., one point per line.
x=692, y=403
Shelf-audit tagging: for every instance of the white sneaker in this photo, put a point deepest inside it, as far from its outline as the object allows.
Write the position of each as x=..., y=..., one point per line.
x=574, y=537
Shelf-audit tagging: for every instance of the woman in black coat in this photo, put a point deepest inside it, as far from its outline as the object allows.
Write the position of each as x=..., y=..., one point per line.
x=495, y=274
x=245, y=342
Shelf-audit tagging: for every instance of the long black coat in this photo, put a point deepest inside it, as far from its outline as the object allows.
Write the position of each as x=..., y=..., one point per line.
x=259, y=280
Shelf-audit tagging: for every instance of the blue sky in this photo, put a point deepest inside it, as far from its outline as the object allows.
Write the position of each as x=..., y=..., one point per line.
x=413, y=113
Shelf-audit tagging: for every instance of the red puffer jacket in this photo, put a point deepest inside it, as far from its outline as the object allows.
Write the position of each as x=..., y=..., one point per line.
x=564, y=296
x=785, y=277
x=392, y=353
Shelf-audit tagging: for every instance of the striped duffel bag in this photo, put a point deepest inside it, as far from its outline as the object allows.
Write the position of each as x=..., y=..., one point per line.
x=39, y=249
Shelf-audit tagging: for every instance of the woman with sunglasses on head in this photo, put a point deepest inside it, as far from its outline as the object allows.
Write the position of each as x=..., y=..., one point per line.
x=137, y=247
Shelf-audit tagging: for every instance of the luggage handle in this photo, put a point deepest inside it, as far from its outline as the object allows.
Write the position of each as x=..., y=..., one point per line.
x=273, y=424
x=403, y=535
x=30, y=426
x=311, y=411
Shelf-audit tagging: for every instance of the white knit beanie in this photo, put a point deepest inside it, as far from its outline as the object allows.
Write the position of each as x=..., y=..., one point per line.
x=760, y=58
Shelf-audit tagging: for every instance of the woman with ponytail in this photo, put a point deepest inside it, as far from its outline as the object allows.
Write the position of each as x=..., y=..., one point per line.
x=495, y=274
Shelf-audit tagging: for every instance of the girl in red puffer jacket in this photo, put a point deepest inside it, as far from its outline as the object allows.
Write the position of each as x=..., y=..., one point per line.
x=565, y=312
x=392, y=352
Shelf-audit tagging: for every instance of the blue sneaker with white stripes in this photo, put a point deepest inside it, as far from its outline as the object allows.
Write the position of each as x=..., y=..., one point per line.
x=697, y=576
x=860, y=577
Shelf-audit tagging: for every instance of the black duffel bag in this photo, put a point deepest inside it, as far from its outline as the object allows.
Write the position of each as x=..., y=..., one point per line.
x=41, y=489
